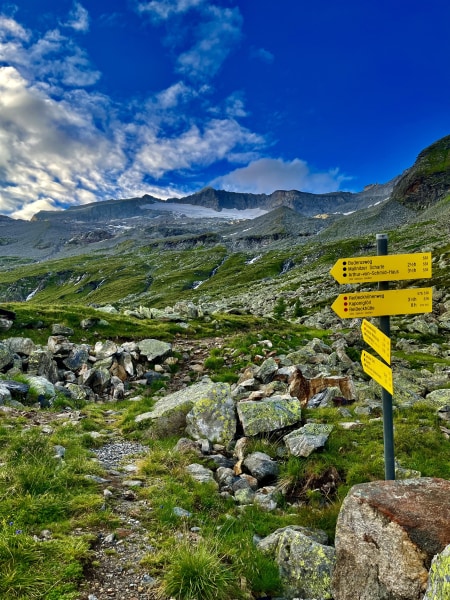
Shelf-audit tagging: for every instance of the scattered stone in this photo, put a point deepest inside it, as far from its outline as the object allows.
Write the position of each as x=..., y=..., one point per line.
x=310, y=437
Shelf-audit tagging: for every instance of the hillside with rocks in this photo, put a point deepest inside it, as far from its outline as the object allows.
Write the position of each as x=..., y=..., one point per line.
x=183, y=415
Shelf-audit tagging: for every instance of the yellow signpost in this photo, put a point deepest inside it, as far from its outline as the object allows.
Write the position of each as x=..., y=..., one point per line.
x=383, y=303
x=392, y=267
x=377, y=370
x=377, y=340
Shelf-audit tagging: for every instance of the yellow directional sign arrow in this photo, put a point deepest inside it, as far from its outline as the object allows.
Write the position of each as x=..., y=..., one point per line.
x=392, y=267
x=377, y=340
x=383, y=303
x=377, y=370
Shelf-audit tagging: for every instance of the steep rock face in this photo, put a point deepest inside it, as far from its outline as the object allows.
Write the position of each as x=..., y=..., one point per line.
x=302, y=202
x=428, y=180
x=386, y=536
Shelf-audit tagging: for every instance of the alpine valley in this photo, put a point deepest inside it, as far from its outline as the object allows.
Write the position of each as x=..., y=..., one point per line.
x=222, y=250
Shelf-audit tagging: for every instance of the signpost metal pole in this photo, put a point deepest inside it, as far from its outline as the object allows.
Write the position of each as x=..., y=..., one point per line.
x=388, y=425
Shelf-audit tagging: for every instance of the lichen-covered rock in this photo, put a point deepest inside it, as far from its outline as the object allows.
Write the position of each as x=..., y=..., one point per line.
x=41, y=362
x=168, y=416
x=439, y=577
x=41, y=385
x=438, y=398
x=105, y=349
x=386, y=524
x=201, y=474
x=213, y=416
x=310, y=437
x=154, y=349
x=20, y=345
x=268, y=415
x=305, y=565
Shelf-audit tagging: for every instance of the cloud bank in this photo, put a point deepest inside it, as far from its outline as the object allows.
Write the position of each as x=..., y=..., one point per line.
x=265, y=175
x=63, y=143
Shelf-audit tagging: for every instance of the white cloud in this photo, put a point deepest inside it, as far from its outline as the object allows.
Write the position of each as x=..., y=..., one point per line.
x=215, y=37
x=78, y=18
x=10, y=28
x=265, y=175
x=263, y=54
x=163, y=9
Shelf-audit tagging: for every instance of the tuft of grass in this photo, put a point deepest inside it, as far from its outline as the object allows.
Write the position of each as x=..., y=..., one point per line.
x=199, y=572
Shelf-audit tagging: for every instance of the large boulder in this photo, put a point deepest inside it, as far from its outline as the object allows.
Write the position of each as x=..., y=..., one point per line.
x=268, y=415
x=168, y=416
x=439, y=577
x=213, y=416
x=386, y=536
x=40, y=362
x=304, y=561
x=21, y=345
x=154, y=349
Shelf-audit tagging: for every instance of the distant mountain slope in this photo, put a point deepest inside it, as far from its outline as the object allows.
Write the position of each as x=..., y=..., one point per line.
x=304, y=203
x=428, y=180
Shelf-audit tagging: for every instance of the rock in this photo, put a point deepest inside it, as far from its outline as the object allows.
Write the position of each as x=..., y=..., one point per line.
x=20, y=345
x=5, y=324
x=244, y=496
x=58, y=329
x=261, y=466
x=154, y=349
x=109, y=309
x=59, y=345
x=267, y=370
x=15, y=387
x=41, y=362
x=105, y=349
x=213, y=415
x=90, y=322
x=385, y=523
x=310, y=437
x=438, y=398
x=41, y=385
x=225, y=477
x=5, y=395
x=79, y=392
x=6, y=355
x=305, y=564
x=266, y=498
x=201, y=473
x=439, y=576
x=168, y=416
x=78, y=356
x=268, y=415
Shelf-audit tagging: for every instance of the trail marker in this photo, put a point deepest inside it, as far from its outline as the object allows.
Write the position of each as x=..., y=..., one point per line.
x=378, y=371
x=377, y=340
x=392, y=267
x=383, y=303
x=382, y=268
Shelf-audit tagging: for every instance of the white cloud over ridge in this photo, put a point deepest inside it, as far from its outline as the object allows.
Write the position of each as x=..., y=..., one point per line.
x=64, y=143
x=265, y=175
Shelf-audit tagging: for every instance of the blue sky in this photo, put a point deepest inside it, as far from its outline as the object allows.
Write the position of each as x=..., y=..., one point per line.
x=116, y=99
